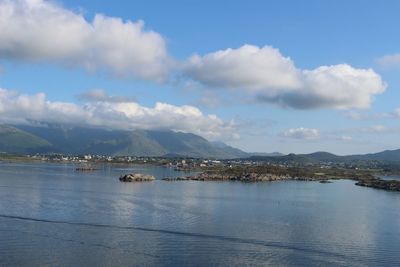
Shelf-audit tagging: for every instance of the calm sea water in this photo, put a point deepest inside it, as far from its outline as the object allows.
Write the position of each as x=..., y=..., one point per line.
x=51, y=215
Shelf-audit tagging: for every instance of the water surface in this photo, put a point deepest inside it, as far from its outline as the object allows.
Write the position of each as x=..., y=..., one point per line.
x=52, y=215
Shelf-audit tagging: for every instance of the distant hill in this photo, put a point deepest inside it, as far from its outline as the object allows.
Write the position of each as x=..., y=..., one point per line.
x=262, y=154
x=14, y=140
x=80, y=140
x=290, y=158
x=384, y=156
x=387, y=155
x=323, y=156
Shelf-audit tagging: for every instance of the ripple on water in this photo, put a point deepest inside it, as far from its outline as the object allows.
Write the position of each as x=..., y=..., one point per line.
x=83, y=219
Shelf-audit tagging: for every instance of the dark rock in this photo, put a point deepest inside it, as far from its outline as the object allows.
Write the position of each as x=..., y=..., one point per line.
x=85, y=169
x=175, y=179
x=136, y=177
x=390, y=185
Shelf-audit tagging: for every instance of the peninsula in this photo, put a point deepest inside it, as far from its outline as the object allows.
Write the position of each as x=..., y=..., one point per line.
x=268, y=173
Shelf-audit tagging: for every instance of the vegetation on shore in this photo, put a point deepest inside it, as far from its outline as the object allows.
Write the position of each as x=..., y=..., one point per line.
x=225, y=171
x=276, y=173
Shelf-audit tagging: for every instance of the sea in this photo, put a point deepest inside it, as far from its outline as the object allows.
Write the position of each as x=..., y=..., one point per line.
x=53, y=215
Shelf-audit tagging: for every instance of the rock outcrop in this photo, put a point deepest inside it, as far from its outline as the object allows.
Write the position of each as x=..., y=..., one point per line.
x=85, y=169
x=390, y=185
x=176, y=179
x=136, y=177
x=243, y=177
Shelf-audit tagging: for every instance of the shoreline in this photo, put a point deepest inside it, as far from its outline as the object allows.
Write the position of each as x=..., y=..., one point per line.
x=263, y=173
x=366, y=180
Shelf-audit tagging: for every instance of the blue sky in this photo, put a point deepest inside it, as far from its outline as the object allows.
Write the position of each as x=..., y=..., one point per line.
x=257, y=107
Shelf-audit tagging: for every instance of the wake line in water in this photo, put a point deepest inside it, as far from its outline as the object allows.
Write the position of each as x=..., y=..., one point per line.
x=186, y=234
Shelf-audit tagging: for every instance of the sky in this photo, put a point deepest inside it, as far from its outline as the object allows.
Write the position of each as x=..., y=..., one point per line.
x=263, y=76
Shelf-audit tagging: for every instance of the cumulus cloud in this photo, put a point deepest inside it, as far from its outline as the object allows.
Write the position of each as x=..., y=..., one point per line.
x=42, y=31
x=302, y=133
x=18, y=108
x=270, y=77
x=389, y=61
x=249, y=66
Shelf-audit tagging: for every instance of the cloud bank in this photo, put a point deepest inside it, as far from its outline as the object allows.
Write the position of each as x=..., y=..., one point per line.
x=41, y=31
x=269, y=76
x=18, y=108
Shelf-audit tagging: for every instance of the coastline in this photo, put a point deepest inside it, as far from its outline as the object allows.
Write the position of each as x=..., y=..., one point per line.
x=261, y=173
x=281, y=174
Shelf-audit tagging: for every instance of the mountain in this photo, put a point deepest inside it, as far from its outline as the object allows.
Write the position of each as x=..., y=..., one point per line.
x=262, y=154
x=387, y=155
x=325, y=157
x=290, y=158
x=80, y=140
x=230, y=150
x=14, y=140
x=384, y=156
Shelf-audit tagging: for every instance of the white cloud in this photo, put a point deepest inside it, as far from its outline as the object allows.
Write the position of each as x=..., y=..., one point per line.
x=389, y=61
x=302, y=133
x=41, y=31
x=270, y=77
x=18, y=108
x=248, y=66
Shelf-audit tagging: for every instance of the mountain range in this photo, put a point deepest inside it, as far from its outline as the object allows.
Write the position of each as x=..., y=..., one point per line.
x=24, y=139
x=391, y=156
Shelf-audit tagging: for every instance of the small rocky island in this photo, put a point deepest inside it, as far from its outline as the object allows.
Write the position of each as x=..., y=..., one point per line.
x=85, y=169
x=249, y=174
x=244, y=177
x=390, y=185
x=277, y=173
x=136, y=177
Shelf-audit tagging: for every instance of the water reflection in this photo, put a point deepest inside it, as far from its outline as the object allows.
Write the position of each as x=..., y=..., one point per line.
x=52, y=215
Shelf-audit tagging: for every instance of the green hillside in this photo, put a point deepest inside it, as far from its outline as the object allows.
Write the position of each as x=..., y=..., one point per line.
x=80, y=140
x=14, y=140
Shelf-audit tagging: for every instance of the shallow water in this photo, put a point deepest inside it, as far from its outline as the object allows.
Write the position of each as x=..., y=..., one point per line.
x=52, y=215
x=390, y=177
